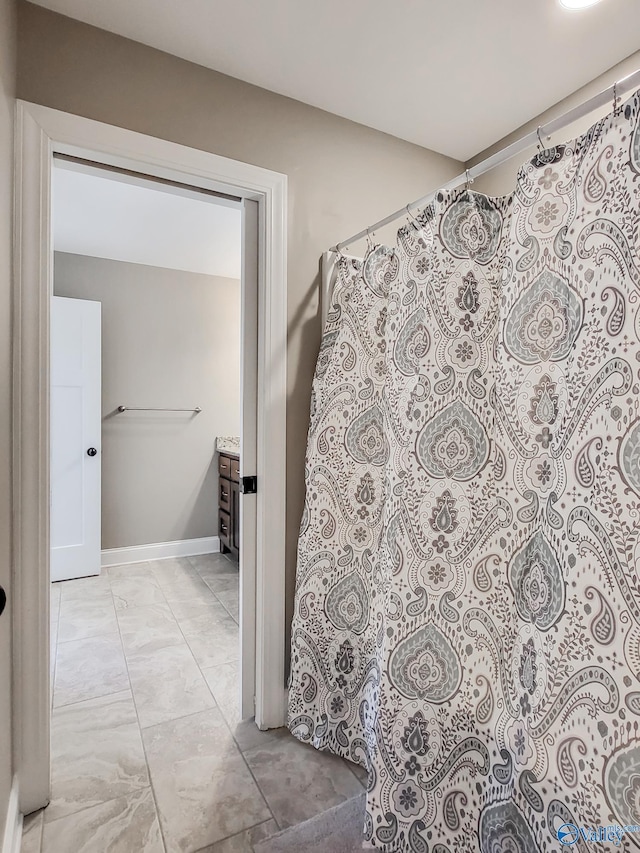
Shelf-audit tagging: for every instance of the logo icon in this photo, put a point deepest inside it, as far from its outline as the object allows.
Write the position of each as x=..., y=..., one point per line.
x=568, y=834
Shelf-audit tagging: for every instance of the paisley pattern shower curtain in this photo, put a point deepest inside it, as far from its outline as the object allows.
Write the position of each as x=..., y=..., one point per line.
x=467, y=615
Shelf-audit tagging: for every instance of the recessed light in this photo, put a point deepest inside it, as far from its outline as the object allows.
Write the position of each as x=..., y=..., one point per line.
x=578, y=4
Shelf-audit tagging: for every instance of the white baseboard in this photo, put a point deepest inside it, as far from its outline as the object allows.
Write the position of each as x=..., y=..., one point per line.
x=160, y=551
x=12, y=839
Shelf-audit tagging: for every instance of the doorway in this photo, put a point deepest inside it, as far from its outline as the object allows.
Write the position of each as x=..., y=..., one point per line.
x=262, y=195
x=146, y=303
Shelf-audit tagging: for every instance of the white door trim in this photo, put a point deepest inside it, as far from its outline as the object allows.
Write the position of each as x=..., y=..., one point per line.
x=41, y=132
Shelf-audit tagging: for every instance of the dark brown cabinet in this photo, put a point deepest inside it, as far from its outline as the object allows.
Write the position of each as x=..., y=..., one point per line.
x=229, y=503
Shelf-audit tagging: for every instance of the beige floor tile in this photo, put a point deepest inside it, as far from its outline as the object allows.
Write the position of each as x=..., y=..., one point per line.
x=179, y=580
x=89, y=668
x=80, y=618
x=212, y=642
x=299, y=782
x=209, y=800
x=204, y=604
x=167, y=684
x=203, y=788
x=87, y=588
x=129, y=570
x=148, y=628
x=171, y=571
x=32, y=832
x=243, y=842
x=136, y=591
x=223, y=682
x=97, y=754
x=124, y=825
x=209, y=622
x=218, y=582
x=186, y=590
x=218, y=561
x=230, y=600
x=217, y=571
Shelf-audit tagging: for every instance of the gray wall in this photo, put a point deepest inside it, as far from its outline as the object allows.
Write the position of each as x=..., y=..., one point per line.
x=170, y=339
x=7, y=93
x=342, y=176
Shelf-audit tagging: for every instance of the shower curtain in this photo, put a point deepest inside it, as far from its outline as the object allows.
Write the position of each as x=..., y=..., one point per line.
x=467, y=613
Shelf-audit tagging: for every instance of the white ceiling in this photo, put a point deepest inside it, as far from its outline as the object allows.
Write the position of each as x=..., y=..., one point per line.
x=451, y=75
x=110, y=217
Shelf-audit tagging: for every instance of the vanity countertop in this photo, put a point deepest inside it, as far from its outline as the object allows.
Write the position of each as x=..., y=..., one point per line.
x=228, y=444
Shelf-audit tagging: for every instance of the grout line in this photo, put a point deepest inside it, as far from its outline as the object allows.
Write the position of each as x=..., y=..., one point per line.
x=80, y=702
x=226, y=723
x=59, y=642
x=215, y=594
x=207, y=848
x=85, y=808
x=241, y=753
x=88, y=699
x=186, y=639
x=91, y=699
x=144, y=749
x=92, y=637
x=41, y=842
x=140, y=728
x=237, y=621
x=183, y=717
x=55, y=656
x=216, y=707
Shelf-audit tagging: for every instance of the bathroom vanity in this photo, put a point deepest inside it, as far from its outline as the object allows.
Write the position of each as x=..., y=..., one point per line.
x=229, y=496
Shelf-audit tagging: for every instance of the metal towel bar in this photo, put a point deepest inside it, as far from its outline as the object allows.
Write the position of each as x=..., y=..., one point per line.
x=197, y=409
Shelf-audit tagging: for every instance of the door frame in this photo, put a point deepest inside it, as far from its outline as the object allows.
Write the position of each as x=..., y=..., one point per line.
x=41, y=132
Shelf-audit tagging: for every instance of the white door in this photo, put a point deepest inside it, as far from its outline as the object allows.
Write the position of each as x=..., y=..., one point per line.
x=75, y=438
x=248, y=456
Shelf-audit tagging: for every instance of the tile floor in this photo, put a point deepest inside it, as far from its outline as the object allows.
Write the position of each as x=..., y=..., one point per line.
x=148, y=750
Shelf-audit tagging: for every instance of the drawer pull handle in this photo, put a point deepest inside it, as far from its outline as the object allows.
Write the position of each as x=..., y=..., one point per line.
x=223, y=527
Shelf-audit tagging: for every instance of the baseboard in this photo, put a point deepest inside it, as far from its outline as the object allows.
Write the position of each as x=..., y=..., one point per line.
x=13, y=826
x=160, y=551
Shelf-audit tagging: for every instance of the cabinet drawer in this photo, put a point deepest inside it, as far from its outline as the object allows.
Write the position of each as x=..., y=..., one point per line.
x=224, y=495
x=235, y=470
x=224, y=527
x=224, y=466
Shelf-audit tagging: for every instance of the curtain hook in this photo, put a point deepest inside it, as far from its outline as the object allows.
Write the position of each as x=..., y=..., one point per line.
x=540, y=143
x=410, y=217
x=615, y=98
x=469, y=179
x=370, y=243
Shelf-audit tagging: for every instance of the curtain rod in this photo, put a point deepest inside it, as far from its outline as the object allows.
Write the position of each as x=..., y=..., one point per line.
x=621, y=87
